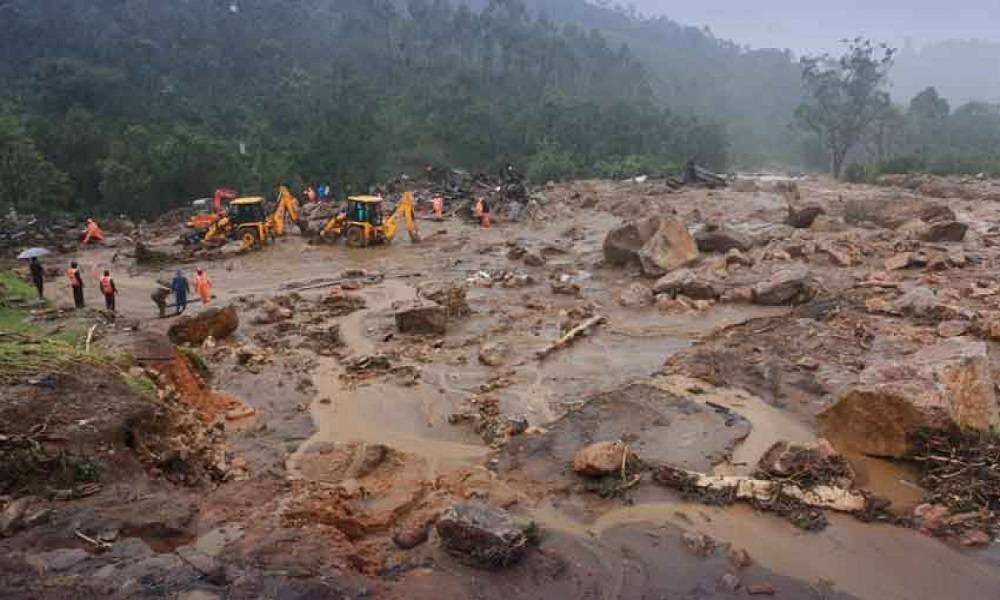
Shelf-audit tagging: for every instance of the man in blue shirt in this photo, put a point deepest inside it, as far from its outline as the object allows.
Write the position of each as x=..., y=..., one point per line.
x=181, y=288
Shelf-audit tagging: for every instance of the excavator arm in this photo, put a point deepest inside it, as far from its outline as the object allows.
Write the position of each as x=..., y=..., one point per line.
x=403, y=211
x=287, y=208
x=217, y=231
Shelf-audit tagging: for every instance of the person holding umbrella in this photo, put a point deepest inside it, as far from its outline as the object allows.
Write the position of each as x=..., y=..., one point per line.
x=36, y=268
x=38, y=276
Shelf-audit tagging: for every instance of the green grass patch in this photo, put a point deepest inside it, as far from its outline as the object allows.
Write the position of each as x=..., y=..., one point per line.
x=142, y=386
x=14, y=290
x=25, y=344
x=197, y=360
x=23, y=355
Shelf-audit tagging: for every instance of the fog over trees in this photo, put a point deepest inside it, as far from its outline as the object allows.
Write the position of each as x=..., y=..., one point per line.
x=139, y=106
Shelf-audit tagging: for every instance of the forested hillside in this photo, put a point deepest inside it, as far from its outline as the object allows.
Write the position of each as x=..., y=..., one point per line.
x=138, y=105
x=753, y=91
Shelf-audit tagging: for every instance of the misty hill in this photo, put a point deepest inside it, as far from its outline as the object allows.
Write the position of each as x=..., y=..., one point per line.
x=961, y=70
x=754, y=92
x=140, y=105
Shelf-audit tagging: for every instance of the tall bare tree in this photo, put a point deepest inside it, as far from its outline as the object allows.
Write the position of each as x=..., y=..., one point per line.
x=844, y=96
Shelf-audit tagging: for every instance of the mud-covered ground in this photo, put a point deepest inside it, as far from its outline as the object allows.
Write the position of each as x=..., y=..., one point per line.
x=358, y=432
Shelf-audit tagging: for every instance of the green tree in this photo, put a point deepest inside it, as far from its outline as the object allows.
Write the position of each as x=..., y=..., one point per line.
x=27, y=180
x=844, y=96
x=928, y=116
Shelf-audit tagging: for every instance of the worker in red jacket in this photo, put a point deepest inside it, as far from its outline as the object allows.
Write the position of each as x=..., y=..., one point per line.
x=109, y=290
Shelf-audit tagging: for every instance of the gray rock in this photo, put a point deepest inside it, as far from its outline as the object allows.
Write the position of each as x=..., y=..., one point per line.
x=494, y=354
x=422, y=317
x=62, y=559
x=685, y=282
x=722, y=240
x=481, y=535
x=803, y=217
x=130, y=549
x=786, y=286
x=533, y=259
x=946, y=231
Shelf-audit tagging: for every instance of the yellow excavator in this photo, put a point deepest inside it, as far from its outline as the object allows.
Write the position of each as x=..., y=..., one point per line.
x=248, y=221
x=363, y=224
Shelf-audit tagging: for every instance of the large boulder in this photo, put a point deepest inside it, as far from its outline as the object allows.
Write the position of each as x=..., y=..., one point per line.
x=946, y=231
x=448, y=294
x=803, y=217
x=421, y=317
x=656, y=244
x=671, y=247
x=622, y=244
x=216, y=322
x=481, y=535
x=602, y=458
x=636, y=295
x=943, y=386
x=722, y=240
x=792, y=285
x=892, y=214
x=685, y=282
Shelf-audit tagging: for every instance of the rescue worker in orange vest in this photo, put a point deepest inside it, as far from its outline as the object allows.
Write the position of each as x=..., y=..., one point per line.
x=93, y=233
x=109, y=290
x=438, y=203
x=76, y=283
x=482, y=212
x=203, y=285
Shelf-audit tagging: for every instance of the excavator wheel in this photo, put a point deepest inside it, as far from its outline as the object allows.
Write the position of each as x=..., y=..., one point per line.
x=356, y=237
x=250, y=239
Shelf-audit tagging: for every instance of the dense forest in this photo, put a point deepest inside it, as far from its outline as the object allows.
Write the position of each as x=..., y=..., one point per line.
x=140, y=105
x=137, y=105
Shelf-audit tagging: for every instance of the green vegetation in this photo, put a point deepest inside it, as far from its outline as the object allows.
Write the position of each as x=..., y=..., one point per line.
x=26, y=346
x=197, y=360
x=141, y=106
x=141, y=385
x=26, y=466
x=844, y=97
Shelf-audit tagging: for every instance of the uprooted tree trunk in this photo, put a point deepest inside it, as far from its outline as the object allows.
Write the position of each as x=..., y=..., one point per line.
x=729, y=489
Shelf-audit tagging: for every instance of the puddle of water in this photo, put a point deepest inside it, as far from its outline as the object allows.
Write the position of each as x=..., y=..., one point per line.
x=768, y=424
x=875, y=562
x=893, y=480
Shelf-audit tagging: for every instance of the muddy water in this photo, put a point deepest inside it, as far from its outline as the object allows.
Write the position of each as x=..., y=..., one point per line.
x=867, y=561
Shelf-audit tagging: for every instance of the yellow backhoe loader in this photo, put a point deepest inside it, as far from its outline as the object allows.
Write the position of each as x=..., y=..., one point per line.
x=247, y=221
x=363, y=224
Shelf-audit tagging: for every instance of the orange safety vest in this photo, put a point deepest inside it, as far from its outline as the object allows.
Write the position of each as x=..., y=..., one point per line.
x=106, y=286
x=73, y=275
x=201, y=281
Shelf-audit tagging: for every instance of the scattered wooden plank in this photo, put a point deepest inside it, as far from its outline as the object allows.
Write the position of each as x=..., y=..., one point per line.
x=571, y=336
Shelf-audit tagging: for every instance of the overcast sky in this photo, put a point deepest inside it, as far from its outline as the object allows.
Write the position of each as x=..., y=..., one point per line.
x=811, y=25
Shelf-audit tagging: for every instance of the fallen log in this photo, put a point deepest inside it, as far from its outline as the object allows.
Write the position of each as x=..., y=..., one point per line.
x=764, y=491
x=570, y=336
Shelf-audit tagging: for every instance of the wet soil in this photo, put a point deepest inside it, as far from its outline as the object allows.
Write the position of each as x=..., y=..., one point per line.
x=331, y=464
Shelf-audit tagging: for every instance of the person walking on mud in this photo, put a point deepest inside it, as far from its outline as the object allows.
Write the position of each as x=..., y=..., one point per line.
x=38, y=276
x=181, y=288
x=76, y=283
x=203, y=285
x=159, y=297
x=109, y=290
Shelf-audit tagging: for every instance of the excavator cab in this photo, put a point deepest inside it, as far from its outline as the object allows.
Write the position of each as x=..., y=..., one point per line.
x=364, y=223
x=248, y=222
